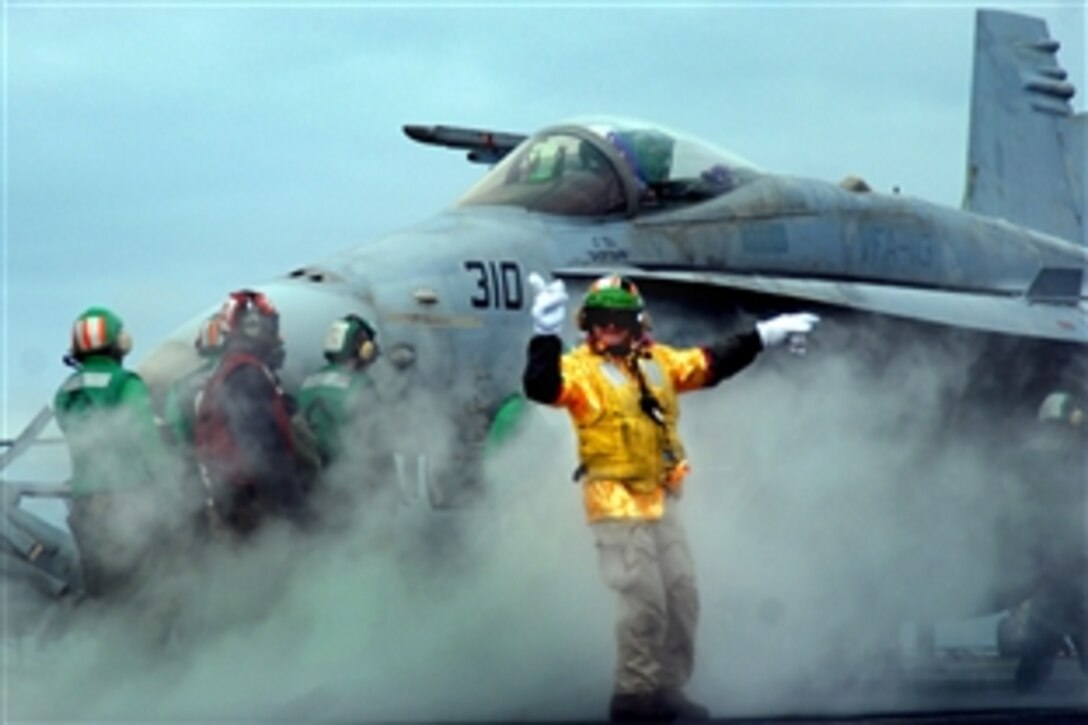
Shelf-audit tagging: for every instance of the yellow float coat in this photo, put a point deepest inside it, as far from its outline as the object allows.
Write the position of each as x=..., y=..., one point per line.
x=628, y=459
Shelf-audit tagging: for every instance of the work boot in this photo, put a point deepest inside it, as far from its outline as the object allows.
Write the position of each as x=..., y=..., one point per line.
x=684, y=708
x=640, y=707
x=1032, y=672
x=1082, y=656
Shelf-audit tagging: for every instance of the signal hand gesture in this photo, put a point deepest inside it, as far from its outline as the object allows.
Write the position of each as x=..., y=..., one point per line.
x=549, y=304
x=792, y=329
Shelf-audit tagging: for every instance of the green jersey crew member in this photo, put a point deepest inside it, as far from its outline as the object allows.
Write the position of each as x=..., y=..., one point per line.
x=331, y=398
x=122, y=471
x=620, y=389
x=1053, y=460
x=338, y=404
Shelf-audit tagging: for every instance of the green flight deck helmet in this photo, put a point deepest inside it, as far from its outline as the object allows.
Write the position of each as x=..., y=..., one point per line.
x=612, y=298
x=99, y=331
x=351, y=338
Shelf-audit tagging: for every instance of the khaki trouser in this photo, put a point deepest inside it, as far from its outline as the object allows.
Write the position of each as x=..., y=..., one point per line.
x=649, y=566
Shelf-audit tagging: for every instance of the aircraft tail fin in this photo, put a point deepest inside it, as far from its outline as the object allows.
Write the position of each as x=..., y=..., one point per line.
x=1025, y=161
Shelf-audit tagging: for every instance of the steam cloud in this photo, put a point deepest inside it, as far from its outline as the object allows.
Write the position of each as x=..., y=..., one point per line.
x=824, y=509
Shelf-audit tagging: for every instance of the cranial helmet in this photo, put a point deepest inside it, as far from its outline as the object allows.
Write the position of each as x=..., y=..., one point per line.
x=1062, y=407
x=648, y=153
x=612, y=297
x=351, y=338
x=249, y=316
x=99, y=330
x=212, y=336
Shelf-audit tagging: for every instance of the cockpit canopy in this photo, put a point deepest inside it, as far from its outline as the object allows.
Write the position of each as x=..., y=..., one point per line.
x=609, y=167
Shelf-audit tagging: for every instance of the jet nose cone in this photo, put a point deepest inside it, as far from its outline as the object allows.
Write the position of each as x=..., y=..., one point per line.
x=174, y=357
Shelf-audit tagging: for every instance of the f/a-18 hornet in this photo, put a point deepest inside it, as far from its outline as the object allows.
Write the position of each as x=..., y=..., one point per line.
x=713, y=238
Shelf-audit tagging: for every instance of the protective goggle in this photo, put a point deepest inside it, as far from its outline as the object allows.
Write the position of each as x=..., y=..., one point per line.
x=250, y=314
x=246, y=299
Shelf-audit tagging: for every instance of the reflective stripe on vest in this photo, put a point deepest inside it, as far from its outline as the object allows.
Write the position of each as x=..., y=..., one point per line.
x=328, y=379
x=650, y=369
x=613, y=373
x=91, y=388
x=79, y=381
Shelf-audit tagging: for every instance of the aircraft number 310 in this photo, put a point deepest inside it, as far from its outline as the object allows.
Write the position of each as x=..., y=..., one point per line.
x=498, y=284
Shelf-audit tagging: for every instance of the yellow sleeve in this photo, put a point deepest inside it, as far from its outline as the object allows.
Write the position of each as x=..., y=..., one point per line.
x=577, y=394
x=688, y=368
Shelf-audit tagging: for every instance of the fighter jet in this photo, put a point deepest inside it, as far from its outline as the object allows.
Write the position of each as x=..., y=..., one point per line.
x=714, y=240
x=711, y=237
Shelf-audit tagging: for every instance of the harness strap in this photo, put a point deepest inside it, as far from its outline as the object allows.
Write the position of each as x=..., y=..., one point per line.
x=650, y=405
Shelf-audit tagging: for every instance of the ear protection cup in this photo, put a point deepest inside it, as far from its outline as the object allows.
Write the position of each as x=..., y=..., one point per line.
x=361, y=343
x=124, y=343
x=368, y=347
x=581, y=320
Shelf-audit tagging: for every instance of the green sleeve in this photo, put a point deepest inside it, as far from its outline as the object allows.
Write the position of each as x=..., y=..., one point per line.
x=58, y=410
x=505, y=423
x=157, y=457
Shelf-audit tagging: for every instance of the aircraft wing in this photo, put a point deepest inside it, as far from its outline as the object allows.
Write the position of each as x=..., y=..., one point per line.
x=1038, y=316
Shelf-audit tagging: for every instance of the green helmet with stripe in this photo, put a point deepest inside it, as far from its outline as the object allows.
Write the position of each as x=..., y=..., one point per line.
x=612, y=297
x=99, y=331
x=613, y=292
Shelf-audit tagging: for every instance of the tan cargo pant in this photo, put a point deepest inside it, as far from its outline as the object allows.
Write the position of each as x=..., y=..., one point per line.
x=649, y=566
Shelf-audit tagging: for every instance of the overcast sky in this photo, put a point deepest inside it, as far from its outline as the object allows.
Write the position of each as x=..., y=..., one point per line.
x=157, y=155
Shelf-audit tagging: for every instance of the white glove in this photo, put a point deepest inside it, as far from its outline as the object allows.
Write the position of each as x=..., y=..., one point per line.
x=549, y=304
x=792, y=328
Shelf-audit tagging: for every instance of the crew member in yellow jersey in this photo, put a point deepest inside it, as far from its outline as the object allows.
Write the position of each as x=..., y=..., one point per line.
x=620, y=389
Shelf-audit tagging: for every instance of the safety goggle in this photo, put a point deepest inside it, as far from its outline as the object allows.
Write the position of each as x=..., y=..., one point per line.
x=249, y=298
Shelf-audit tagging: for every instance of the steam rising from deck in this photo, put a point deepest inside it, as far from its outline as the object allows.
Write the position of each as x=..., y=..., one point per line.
x=823, y=509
